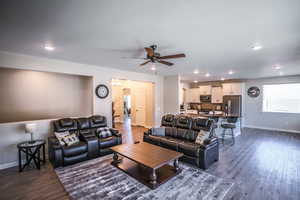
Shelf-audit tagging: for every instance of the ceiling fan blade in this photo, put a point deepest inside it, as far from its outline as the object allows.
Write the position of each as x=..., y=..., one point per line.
x=181, y=55
x=165, y=62
x=150, y=51
x=145, y=63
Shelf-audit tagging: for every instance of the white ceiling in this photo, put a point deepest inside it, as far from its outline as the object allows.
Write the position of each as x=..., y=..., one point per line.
x=216, y=36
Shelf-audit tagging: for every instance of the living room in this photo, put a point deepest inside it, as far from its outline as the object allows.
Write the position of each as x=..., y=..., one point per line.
x=127, y=100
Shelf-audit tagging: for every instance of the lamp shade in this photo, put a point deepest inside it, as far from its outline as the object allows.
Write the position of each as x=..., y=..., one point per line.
x=30, y=128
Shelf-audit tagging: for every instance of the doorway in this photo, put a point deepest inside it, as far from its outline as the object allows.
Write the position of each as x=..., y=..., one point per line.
x=127, y=104
x=133, y=102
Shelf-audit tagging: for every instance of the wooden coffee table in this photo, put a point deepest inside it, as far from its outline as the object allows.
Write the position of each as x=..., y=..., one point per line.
x=147, y=163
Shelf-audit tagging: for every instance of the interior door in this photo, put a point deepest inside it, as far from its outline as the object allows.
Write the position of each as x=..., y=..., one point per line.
x=140, y=106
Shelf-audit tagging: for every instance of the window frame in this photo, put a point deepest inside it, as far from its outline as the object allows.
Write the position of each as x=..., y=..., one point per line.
x=263, y=97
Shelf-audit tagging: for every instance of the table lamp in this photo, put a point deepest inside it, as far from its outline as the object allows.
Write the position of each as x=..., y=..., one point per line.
x=30, y=128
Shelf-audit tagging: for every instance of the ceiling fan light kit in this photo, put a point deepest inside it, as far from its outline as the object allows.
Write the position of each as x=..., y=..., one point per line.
x=154, y=57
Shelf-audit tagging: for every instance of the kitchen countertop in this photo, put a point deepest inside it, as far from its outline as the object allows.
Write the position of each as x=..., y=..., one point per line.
x=210, y=115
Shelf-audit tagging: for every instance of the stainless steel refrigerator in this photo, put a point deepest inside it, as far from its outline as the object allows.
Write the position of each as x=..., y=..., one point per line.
x=232, y=105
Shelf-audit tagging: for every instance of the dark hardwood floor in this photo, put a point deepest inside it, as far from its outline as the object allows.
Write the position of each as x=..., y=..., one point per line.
x=264, y=164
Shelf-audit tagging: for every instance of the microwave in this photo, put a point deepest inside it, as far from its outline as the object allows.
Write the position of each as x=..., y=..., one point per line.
x=205, y=98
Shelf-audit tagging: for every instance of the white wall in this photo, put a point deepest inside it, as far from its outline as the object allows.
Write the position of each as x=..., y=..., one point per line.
x=171, y=94
x=255, y=118
x=12, y=133
x=182, y=91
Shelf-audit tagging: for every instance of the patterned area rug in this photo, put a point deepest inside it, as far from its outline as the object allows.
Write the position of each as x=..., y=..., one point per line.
x=98, y=179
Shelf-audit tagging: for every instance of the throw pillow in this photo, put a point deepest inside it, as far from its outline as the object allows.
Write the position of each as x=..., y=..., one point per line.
x=202, y=135
x=158, y=131
x=60, y=136
x=104, y=132
x=71, y=139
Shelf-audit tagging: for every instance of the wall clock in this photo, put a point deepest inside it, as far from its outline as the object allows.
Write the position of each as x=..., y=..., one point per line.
x=102, y=91
x=253, y=91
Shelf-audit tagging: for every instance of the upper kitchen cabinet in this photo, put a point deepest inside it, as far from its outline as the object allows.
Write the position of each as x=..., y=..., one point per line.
x=192, y=95
x=232, y=88
x=216, y=95
x=205, y=90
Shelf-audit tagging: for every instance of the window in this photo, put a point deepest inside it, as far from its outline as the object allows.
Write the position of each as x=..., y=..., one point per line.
x=284, y=98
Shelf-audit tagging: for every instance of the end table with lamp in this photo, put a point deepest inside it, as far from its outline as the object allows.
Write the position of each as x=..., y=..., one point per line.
x=31, y=149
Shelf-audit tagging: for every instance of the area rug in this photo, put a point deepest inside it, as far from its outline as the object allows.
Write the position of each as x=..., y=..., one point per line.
x=98, y=179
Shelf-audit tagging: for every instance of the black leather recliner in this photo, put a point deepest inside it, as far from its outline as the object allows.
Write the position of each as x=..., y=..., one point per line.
x=90, y=145
x=180, y=135
x=104, y=143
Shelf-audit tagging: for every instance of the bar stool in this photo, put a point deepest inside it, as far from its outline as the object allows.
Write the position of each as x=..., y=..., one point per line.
x=215, y=126
x=229, y=123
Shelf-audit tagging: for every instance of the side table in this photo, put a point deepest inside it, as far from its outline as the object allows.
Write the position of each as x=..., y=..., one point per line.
x=32, y=151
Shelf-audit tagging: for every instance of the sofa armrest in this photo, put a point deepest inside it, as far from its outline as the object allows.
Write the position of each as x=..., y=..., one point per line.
x=55, y=152
x=211, y=140
x=148, y=132
x=115, y=132
x=53, y=142
x=86, y=134
x=92, y=143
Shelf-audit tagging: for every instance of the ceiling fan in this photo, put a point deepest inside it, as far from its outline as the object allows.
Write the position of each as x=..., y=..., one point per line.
x=155, y=57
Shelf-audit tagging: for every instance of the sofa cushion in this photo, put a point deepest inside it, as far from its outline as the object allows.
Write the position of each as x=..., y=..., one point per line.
x=97, y=121
x=83, y=123
x=66, y=122
x=152, y=139
x=104, y=132
x=71, y=139
x=108, y=142
x=60, y=137
x=189, y=148
x=202, y=124
x=170, y=143
x=171, y=131
x=183, y=122
x=182, y=134
x=202, y=136
x=75, y=149
x=168, y=120
x=158, y=131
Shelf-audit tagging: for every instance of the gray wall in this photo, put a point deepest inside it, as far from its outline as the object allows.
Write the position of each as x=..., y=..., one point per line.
x=254, y=117
x=171, y=94
x=32, y=95
x=13, y=133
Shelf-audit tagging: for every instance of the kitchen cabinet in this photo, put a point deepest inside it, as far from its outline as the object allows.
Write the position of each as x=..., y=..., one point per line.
x=232, y=88
x=216, y=95
x=192, y=95
x=205, y=90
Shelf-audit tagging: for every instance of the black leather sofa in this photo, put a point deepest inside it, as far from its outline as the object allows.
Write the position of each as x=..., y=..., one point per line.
x=180, y=135
x=90, y=145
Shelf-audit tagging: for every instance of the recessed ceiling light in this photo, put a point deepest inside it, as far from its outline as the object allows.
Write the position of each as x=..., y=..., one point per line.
x=207, y=75
x=257, y=47
x=230, y=72
x=153, y=68
x=48, y=47
x=222, y=79
x=196, y=71
x=195, y=81
x=277, y=67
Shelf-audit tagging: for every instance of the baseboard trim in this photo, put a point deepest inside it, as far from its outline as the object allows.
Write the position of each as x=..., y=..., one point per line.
x=271, y=129
x=8, y=165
